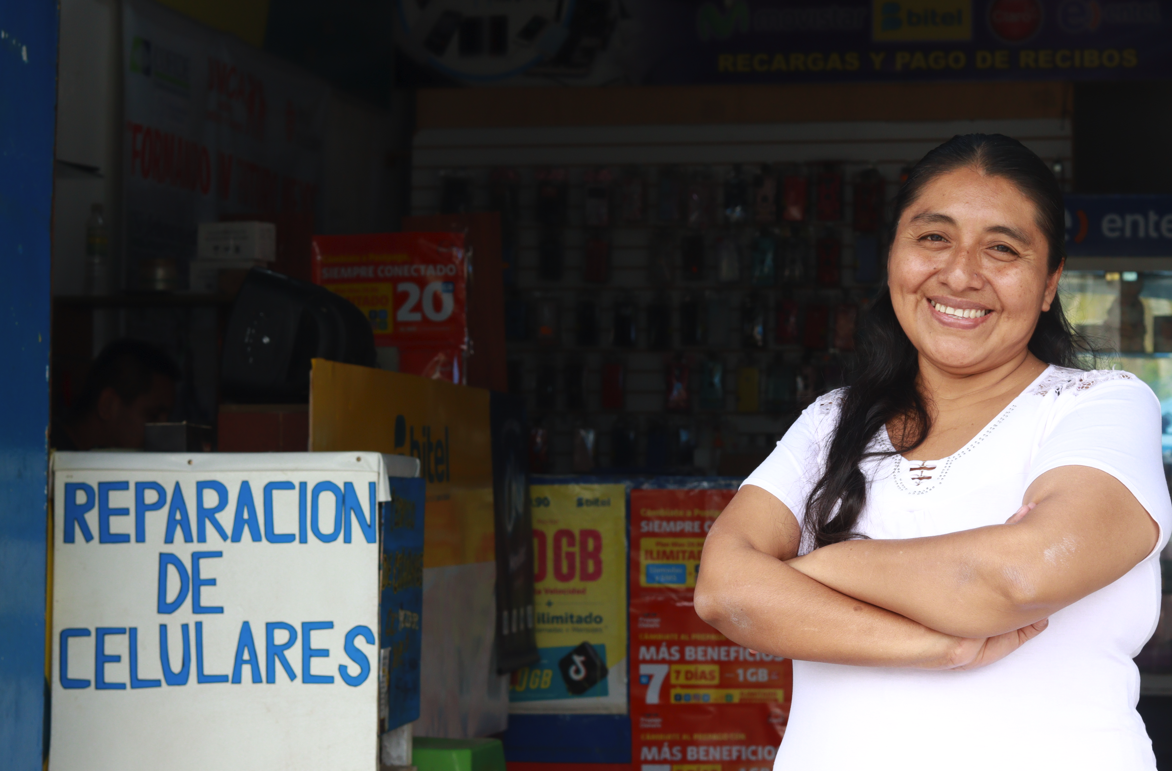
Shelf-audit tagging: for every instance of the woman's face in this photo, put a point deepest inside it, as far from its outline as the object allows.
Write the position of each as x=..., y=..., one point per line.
x=968, y=272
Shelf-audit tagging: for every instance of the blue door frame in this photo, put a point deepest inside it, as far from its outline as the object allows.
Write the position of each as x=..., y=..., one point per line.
x=28, y=100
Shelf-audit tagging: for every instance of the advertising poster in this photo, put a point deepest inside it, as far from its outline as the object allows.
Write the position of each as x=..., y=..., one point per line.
x=214, y=129
x=230, y=596
x=516, y=636
x=580, y=580
x=447, y=428
x=699, y=702
x=412, y=287
x=401, y=602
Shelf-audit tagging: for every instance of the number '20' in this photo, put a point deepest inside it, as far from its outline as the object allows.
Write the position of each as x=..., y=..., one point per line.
x=408, y=312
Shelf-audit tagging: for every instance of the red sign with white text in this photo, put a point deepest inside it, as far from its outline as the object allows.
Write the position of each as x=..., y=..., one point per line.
x=412, y=287
x=699, y=702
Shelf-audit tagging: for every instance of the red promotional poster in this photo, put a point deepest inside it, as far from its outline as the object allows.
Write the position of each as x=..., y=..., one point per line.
x=412, y=287
x=699, y=702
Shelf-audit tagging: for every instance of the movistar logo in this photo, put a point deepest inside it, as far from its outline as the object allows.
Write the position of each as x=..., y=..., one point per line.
x=712, y=23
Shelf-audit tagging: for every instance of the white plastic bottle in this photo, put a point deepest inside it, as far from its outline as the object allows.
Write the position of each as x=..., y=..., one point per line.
x=98, y=276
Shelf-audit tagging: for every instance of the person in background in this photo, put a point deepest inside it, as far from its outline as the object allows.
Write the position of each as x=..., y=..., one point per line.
x=130, y=384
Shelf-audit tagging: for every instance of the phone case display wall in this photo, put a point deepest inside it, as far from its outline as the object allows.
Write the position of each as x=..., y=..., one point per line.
x=697, y=698
x=659, y=318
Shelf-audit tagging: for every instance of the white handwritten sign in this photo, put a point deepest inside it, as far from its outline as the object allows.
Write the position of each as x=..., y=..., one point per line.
x=216, y=611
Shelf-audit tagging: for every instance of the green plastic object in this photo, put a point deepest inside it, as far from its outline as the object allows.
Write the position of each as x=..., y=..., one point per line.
x=457, y=754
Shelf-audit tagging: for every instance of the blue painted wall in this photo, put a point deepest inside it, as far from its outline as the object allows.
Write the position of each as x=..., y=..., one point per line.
x=28, y=99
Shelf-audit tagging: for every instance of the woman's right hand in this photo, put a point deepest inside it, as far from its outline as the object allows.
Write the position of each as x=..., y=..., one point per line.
x=974, y=653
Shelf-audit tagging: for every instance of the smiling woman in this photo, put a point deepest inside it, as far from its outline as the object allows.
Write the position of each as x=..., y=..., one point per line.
x=970, y=491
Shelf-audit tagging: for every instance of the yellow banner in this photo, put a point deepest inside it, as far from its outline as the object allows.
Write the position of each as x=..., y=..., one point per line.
x=446, y=426
x=921, y=20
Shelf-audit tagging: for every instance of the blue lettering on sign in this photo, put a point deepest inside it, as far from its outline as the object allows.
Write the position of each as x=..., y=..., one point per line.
x=105, y=511
x=667, y=574
x=135, y=681
x=205, y=514
x=308, y=652
x=271, y=534
x=276, y=652
x=246, y=516
x=197, y=582
x=177, y=517
x=166, y=560
x=246, y=654
x=101, y=658
x=170, y=676
x=200, y=677
x=142, y=508
x=75, y=511
x=357, y=656
x=63, y=663
x=314, y=521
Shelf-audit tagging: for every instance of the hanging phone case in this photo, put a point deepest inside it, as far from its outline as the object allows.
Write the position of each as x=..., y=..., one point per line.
x=598, y=198
x=553, y=197
x=678, y=396
x=624, y=324
x=613, y=376
x=596, y=269
x=551, y=258
x=692, y=326
x=816, y=327
x=753, y=322
x=622, y=445
x=828, y=196
x=539, y=450
x=736, y=197
x=866, y=259
x=659, y=324
x=586, y=323
x=711, y=384
x=748, y=388
x=829, y=255
x=788, y=317
x=574, y=382
x=868, y=202
x=669, y=193
x=692, y=257
x=547, y=322
x=796, y=193
x=728, y=258
x=633, y=198
x=764, y=265
x=547, y=387
x=765, y=200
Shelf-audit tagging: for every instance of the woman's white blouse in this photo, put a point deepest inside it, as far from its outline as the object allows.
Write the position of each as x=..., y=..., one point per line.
x=1066, y=699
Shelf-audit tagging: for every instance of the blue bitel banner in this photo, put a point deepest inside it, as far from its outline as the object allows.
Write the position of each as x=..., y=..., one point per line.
x=778, y=41
x=401, y=600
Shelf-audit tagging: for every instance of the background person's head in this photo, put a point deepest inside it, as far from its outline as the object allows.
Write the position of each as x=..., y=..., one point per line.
x=130, y=384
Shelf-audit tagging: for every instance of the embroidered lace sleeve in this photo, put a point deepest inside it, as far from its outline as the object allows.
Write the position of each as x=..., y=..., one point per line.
x=792, y=469
x=1110, y=421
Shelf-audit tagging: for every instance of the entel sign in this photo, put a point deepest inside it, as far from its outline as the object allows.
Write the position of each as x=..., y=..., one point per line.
x=1119, y=225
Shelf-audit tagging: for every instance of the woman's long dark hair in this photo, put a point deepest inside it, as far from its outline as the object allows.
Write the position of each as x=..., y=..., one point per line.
x=883, y=385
